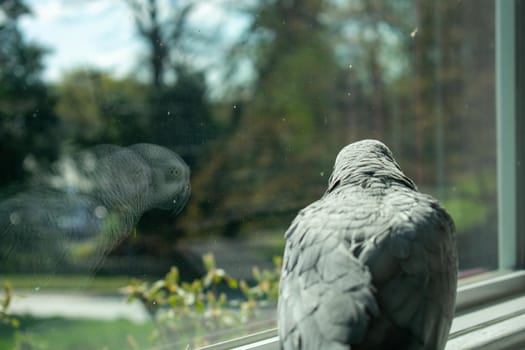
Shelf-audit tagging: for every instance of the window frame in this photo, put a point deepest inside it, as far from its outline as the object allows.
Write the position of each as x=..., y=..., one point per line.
x=506, y=133
x=490, y=313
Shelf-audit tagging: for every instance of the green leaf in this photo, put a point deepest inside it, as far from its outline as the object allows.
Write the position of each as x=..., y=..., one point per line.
x=256, y=273
x=199, y=305
x=15, y=323
x=232, y=283
x=209, y=261
x=278, y=261
x=173, y=300
x=7, y=296
x=172, y=277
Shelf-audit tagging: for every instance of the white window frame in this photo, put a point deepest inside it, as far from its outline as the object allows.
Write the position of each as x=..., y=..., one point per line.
x=490, y=313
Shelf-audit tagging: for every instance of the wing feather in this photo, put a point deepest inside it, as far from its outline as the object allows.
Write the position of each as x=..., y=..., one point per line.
x=326, y=296
x=417, y=293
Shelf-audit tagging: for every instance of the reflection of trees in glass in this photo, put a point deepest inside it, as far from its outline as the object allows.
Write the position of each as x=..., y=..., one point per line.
x=96, y=107
x=176, y=104
x=259, y=102
x=419, y=76
x=28, y=125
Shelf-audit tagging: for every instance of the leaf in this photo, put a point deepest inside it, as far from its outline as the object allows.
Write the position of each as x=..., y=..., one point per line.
x=189, y=300
x=217, y=279
x=264, y=286
x=211, y=297
x=199, y=305
x=232, y=283
x=172, y=277
x=156, y=288
x=173, y=301
x=278, y=261
x=7, y=296
x=209, y=261
x=15, y=323
x=173, y=288
x=196, y=286
x=222, y=299
x=256, y=273
x=244, y=287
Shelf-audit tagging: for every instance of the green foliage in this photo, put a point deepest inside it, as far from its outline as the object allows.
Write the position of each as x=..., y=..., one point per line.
x=468, y=213
x=5, y=318
x=98, y=108
x=466, y=202
x=184, y=311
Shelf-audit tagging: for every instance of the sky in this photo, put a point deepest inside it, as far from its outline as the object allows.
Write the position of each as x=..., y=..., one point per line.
x=79, y=33
x=102, y=33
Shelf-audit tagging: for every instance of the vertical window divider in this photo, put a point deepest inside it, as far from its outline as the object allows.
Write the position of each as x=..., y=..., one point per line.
x=506, y=133
x=520, y=130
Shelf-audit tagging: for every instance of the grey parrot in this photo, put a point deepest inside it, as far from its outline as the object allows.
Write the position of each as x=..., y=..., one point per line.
x=370, y=265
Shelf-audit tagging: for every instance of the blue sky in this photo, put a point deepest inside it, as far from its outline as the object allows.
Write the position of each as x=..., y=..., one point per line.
x=98, y=33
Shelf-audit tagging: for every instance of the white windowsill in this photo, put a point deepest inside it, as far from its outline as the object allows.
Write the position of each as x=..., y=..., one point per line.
x=491, y=315
x=499, y=326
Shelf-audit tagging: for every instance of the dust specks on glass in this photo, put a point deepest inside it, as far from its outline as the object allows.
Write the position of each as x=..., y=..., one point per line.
x=98, y=136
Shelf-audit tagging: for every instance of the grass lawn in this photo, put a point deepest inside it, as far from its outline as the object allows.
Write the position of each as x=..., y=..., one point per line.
x=60, y=333
x=96, y=284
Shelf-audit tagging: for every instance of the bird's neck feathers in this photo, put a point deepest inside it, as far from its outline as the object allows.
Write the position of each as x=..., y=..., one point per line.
x=367, y=172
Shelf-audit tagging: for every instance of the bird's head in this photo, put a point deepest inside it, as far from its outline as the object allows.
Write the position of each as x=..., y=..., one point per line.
x=361, y=161
x=170, y=177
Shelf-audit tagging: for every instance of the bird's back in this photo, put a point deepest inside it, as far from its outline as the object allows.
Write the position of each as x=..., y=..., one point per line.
x=368, y=265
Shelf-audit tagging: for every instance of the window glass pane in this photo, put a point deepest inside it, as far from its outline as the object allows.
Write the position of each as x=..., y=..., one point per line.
x=106, y=105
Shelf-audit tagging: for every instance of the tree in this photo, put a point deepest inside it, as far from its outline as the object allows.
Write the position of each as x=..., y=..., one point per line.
x=160, y=33
x=183, y=120
x=29, y=129
x=177, y=107
x=96, y=107
x=251, y=175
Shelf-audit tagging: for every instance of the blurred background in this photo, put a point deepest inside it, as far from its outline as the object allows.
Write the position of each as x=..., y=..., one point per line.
x=257, y=96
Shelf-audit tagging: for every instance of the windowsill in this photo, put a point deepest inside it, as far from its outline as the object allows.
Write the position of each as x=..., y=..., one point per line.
x=490, y=315
x=498, y=326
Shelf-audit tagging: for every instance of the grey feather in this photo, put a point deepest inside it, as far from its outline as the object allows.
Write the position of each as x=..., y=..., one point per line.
x=370, y=265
